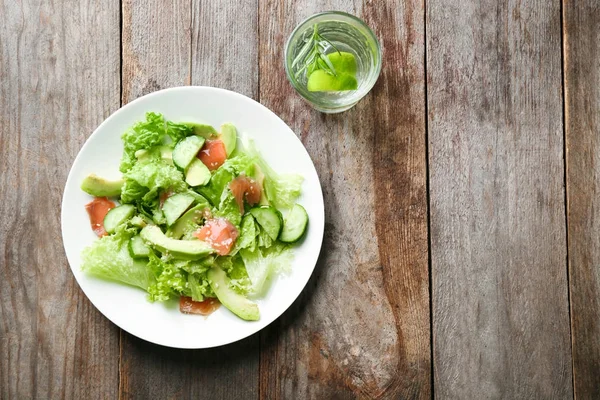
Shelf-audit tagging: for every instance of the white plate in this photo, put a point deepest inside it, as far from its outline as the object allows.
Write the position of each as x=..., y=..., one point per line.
x=162, y=323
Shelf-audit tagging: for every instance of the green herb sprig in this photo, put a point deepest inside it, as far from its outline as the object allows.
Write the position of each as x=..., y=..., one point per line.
x=312, y=55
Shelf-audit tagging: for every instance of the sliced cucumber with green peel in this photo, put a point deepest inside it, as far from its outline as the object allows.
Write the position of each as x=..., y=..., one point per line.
x=201, y=129
x=117, y=216
x=322, y=81
x=176, y=205
x=197, y=173
x=182, y=249
x=185, y=151
x=229, y=137
x=100, y=187
x=235, y=302
x=269, y=218
x=138, y=248
x=343, y=62
x=294, y=225
x=187, y=221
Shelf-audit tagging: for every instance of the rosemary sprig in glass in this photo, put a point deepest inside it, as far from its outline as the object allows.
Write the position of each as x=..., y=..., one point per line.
x=312, y=55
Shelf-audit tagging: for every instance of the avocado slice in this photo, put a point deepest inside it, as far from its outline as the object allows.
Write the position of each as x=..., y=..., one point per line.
x=100, y=187
x=235, y=302
x=228, y=137
x=166, y=154
x=260, y=178
x=201, y=129
x=183, y=249
x=188, y=221
x=197, y=174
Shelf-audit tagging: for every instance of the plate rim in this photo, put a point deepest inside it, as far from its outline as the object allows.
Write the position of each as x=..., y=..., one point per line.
x=320, y=231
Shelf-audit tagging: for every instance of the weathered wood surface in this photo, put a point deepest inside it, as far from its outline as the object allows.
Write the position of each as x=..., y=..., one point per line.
x=497, y=212
x=59, y=78
x=491, y=113
x=168, y=44
x=361, y=327
x=582, y=118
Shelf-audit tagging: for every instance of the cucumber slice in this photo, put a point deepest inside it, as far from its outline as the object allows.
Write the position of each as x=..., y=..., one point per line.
x=269, y=218
x=197, y=174
x=138, y=248
x=117, y=216
x=176, y=205
x=294, y=225
x=185, y=150
x=229, y=137
x=200, y=129
x=188, y=221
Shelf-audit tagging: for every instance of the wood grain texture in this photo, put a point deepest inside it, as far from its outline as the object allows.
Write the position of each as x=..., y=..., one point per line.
x=582, y=104
x=53, y=94
x=361, y=327
x=156, y=40
x=198, y=36
x=225, y=45
x=498, y=245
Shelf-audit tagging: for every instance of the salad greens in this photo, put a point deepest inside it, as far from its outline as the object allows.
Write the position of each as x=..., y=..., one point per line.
x=220, y=239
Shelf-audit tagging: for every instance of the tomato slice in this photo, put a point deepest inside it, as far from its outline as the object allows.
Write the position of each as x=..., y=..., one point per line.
x=242, y=188
x=219, y=233
x=213, y=154
x=97, y=210
x=206, y=307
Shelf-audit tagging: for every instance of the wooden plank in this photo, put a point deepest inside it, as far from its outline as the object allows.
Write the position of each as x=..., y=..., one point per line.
x=225, y=45
x=361, y=327
x=200, y=34
x=498, y=245
x=156, y=37
x=59, y=79
x=582, y=100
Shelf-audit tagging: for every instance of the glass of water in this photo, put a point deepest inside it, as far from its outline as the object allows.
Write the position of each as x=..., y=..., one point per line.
x=341, y=32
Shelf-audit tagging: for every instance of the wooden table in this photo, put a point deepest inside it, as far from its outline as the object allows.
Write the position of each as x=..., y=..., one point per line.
x=461, y=257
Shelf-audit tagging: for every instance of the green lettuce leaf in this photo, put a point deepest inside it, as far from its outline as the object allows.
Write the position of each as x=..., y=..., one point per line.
x=236, y=271
x=261, y=264
x=218, y=183
x=178, y=131
x=142, y=135
x=229, y=209
x=154, y=175
x=108, y=258
x=282, y=191
x=248, y=232
x=171, y=281
x=199, y=287
x=240, y=164
x=132, y=191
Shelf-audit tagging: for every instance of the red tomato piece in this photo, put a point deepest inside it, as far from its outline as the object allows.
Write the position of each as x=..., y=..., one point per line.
x=213, y=154
x=219, y=233
x=97, y=210
x=242, y=188
x=206, y=307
